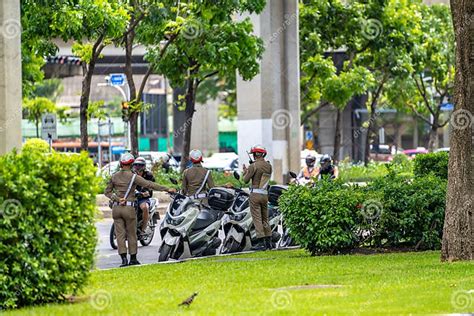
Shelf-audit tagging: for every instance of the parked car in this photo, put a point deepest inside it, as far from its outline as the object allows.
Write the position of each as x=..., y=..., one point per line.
x=153, y=157
x=411, y=153
x=222, y=161
x=444, y=149
x=384, y=153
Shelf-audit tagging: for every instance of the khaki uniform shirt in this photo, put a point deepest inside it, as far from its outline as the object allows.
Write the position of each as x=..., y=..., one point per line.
x=256, y=171
x=118, y=185
x=193, y=179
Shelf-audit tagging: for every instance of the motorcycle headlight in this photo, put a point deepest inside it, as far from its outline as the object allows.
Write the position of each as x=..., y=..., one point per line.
x=174, y=222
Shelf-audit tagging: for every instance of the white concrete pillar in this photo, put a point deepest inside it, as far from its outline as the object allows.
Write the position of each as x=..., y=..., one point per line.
x=205, y=135
x=10, y=76
x=269, y=105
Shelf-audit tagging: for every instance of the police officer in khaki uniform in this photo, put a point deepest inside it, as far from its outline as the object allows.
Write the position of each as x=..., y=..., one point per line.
x=120, y=190
x=260, y=172
x=196, y=180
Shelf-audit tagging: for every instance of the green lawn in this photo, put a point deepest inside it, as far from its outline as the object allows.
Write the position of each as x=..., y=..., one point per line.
x=258, y=284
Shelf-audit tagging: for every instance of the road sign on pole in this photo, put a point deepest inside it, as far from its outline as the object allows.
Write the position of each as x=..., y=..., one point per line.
x=117, y=79
x=49, y=127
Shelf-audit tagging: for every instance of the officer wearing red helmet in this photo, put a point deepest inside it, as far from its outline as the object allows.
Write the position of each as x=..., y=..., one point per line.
x=196, y=180
x=120, y=190
x=260, y=172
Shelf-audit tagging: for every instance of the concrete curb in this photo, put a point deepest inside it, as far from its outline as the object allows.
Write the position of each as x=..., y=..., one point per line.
x=201, y=258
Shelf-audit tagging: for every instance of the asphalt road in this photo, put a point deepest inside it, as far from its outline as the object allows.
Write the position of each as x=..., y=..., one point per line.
x=108, y=258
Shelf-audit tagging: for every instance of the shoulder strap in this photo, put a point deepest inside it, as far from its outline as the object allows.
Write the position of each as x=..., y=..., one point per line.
x=203, y=182
x=130, y=185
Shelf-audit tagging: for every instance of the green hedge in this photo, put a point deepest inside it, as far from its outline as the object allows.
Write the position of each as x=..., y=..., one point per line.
x=412, y=212
x=392, y=211
x=323, y=218
x=432, y=163
x=47, y=230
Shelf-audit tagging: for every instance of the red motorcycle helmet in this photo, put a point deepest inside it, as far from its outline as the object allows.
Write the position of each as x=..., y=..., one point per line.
x=258, y=149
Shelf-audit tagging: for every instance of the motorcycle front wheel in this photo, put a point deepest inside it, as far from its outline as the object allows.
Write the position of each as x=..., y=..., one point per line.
x=231, y=246
x=150, y=232
x=165, y=252
x=113, y=237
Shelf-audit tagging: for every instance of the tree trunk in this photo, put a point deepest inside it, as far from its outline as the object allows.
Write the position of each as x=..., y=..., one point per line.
x=433, y=140
x=189, y=112
x=337, y=136
x=458, y=232
x=84, y=104
x=133, y=118
x=37, y=127
x=372, y=122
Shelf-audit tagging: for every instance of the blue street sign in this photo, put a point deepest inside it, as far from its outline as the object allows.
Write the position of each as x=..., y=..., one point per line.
x=117, y=79
x=309, y=135
x=117, y=150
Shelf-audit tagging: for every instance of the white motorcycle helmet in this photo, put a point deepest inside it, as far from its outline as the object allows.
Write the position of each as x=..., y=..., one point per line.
x=195, y=156
x=126, y=159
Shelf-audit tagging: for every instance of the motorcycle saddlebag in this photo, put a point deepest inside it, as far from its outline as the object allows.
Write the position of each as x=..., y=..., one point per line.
x=220, y=198
x=275, y=192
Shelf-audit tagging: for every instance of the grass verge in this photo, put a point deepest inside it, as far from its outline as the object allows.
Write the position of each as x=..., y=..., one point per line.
x=281, y=283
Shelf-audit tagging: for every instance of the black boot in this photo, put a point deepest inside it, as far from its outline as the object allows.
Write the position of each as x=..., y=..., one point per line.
x=124, y=260
x=260, y=245
x=133, y=260
x=269, y=243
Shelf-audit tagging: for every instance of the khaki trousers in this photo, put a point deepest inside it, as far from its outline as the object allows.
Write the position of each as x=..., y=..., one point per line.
x=125, y=222
x=259, y=211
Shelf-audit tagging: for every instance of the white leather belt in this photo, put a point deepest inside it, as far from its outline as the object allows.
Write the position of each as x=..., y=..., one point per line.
x=126, y=204
x=259, y=191
x=199, y=196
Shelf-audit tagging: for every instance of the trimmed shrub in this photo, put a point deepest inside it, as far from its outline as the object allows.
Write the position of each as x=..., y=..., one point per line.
x=432, y=163
x=323, y=219
x=47, y=225
x=412, y=211
x=36, y=144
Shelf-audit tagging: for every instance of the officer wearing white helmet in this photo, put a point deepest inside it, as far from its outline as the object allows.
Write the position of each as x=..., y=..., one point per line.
x=143, y=195
x=196, y=180
x=120, y=190
x=260, y=172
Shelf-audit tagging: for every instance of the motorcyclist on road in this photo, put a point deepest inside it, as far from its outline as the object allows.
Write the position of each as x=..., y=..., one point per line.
x=327, y=169
x=309, y=171
x=142, y=194
x=123, y=211
x=196, y=180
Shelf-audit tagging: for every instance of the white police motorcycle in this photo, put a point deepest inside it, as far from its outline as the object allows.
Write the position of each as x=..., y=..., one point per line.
x=191, y=229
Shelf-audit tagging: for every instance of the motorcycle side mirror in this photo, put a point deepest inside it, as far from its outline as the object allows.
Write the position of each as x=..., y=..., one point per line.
x=174, y=181
x=292, y=174
x=236, y=175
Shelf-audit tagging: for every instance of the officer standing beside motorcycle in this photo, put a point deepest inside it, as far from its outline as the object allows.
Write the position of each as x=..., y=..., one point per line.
x=123, y=212
x=259, y=172
x=327, y=169
x=196, y=180
x=309, y=171
x=143, y=195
